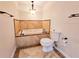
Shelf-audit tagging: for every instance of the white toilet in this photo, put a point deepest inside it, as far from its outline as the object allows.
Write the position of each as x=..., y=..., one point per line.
x=47, y=44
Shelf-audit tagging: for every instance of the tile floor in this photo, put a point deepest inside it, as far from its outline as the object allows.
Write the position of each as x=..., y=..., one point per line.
x=36, y=52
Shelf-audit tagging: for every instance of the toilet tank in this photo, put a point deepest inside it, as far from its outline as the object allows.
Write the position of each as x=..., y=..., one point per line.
x=55, y=36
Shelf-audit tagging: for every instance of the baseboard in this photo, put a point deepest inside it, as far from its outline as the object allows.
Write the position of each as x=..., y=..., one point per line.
x=12, y=55
x=64, y=54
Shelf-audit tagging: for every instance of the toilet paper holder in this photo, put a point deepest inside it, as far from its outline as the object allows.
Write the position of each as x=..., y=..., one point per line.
x=65, y=38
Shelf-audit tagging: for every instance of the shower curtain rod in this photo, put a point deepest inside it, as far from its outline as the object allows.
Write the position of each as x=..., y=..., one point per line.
x=2, y=12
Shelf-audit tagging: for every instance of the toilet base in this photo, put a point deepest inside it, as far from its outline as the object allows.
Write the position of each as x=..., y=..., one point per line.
x=47, y=49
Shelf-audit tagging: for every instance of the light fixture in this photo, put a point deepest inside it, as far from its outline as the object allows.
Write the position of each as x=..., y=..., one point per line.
x=74, y=15
x=33, y=10
x=2, y=12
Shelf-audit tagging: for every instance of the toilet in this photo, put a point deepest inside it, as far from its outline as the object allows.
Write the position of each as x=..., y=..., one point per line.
x=47, y=44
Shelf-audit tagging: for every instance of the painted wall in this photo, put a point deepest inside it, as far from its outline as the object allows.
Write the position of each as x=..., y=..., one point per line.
x=58, y=12
x=24, y=10
x=7, y=37
x=27, y=15
x=9, y=7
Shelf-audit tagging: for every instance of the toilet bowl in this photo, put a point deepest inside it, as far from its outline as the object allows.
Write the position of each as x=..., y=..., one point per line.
x=47, y=44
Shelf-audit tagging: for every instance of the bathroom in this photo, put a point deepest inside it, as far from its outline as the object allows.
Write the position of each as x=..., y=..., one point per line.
x=59, y=24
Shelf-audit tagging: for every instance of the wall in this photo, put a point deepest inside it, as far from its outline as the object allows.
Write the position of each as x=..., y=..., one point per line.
x=7, y=37
x=24, y=10
x=58, y=12
x=9, y=7
x=32, y=24
x=46, y=26
x=25, y=15
x=7, y=40
x=17, y=26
